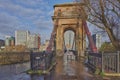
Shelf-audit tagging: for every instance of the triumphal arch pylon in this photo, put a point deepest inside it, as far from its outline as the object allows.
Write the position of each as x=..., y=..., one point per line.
x=68, y=17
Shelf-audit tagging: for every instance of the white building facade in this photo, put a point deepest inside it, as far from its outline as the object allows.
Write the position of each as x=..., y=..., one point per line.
x=33, y=41
x=97, y=38
x=21, y=37
x=9, y=41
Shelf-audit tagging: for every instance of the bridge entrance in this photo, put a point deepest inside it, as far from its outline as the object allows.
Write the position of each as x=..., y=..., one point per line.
x=69, y=40
x=67, y=18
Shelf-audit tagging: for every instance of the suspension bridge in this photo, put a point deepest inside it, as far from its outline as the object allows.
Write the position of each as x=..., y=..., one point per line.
x=71, y=20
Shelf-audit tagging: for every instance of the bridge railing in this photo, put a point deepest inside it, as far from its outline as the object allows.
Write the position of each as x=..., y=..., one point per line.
x=95, y=60
x=107, y=63
x=41, y=60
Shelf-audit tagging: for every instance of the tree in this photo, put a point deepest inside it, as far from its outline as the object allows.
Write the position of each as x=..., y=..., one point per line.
x=105, y=14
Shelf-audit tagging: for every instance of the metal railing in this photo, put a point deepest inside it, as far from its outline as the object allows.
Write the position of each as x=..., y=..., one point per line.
x=41, y=60
x=105, y=62
x=111, y=62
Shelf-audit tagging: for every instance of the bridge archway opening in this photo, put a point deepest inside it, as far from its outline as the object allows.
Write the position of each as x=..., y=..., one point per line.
x=69, y=40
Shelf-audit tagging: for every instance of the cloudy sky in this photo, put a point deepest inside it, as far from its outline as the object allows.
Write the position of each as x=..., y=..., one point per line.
x=32, y=15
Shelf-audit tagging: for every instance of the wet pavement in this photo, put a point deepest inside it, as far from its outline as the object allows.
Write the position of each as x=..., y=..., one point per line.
x=76, y=70
x=71, y=70
x=64, y=70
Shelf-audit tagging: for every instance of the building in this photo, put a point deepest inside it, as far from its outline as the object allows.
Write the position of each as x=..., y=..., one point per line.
x=12, y=41
x=34, y=41
x=2, y=43
x=21, y=37
x=9, y=41
x=97, y=40
x=39, y=41
x=44, y=46
x=46, y=43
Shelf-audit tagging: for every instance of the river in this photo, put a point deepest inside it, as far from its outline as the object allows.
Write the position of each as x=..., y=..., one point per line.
x=17, y=72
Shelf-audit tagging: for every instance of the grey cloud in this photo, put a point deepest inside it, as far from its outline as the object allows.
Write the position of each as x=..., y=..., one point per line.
x=2, y=36
x=8, y=23
x=16, y=16
x=6, y=18
x=43, y=24
x=20, y=10
x=34, y=3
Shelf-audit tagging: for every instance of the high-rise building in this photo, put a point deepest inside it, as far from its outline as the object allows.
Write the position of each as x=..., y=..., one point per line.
x=2, y=43
x=97, y=40
x=21, y=37
x=34, y=41
x=12, y=41
x=39, y=41
x=9, y=41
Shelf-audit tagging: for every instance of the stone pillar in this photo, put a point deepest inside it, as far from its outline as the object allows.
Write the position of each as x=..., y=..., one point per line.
x=59, y=41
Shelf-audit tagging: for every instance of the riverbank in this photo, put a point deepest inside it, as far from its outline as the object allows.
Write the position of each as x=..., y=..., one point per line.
x=14, y=57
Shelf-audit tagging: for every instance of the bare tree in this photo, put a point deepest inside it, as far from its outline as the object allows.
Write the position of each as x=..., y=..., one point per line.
x=105, y=14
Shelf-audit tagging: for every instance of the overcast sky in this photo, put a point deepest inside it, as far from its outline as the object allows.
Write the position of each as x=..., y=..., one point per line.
x=32, y=15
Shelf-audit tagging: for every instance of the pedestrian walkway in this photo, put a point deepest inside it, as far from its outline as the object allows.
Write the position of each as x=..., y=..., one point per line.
x=72, y=70
x=68, y=68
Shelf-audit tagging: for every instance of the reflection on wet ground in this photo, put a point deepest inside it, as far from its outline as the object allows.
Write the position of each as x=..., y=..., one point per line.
x=64, y=70
x=71, y=70
x=76, y=70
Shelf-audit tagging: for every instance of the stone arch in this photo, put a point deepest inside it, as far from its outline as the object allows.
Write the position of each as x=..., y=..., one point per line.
x=68, y=22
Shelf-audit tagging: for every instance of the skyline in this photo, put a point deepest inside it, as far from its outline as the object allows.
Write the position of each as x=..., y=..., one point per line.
x=32, y=15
